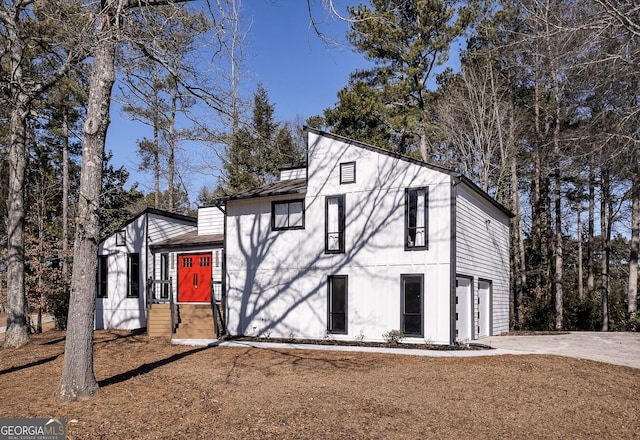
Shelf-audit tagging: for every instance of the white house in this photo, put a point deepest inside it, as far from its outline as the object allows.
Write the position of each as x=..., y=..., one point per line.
x=157, y=246
x=363, y=241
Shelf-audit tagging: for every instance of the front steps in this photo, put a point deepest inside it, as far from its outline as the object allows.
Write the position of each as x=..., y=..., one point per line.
x=159, y=321
x=195, y=321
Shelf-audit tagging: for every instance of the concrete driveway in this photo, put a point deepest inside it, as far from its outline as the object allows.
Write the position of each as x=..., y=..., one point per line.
x=613, y=348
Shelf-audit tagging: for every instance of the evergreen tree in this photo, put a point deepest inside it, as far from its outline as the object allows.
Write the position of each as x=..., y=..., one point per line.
x=116, y=202
x=256, y=151
x=391, y=104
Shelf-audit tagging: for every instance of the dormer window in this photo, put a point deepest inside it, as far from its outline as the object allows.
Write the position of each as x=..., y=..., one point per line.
x=347, y=172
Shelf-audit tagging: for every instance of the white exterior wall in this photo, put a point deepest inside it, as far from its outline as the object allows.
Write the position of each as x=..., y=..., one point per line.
x=277, y=280
x=210, y=221
x=117, y=311
x=293, y=173
x=482, y=252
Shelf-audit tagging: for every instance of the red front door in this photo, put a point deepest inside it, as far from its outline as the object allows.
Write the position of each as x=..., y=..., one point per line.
x=194, y=278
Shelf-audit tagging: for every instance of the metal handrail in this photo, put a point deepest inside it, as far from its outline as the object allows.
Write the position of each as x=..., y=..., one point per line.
x=218, y=322
x=152, y=299
x=213, y=311
x=172, y=306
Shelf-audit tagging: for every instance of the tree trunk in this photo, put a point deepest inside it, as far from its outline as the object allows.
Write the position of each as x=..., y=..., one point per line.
x=591, y=276
x=558, y=278
x=78, y=379
x=520, y=273
x=172, y=146
x=422, y=131
x=579, y=240
x=156, y=140
x=17, y=332
x=65, y=201
x=632, y=294
x=606, y=237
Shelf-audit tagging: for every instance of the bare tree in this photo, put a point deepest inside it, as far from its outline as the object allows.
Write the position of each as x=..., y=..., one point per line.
x=78, y=378
x=28, y=45
x=632, y=295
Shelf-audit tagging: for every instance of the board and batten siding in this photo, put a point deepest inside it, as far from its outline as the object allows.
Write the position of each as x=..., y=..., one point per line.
x=482, y=251
x=277, y=280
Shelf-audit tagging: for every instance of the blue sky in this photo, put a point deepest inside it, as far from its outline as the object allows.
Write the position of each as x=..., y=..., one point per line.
x=300, y=72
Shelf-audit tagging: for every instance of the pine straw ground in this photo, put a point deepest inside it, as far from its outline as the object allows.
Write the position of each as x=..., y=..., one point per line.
x=150, y=389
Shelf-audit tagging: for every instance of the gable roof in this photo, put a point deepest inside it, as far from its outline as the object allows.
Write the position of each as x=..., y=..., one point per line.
x=158, y=212
x=299, y=186
x=455, y=174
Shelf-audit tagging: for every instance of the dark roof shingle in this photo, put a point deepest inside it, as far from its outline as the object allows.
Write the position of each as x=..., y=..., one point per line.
x=189, y=239
x=280, y=187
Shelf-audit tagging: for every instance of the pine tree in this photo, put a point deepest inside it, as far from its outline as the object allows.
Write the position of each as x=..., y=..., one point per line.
x=257, y=150
x=391, y=104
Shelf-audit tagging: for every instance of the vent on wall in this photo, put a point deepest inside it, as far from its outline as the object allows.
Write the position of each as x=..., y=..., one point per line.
x=348, y=172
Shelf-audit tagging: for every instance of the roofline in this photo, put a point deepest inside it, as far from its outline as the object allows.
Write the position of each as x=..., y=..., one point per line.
x=475, y=188
x=454, y=174
x=170, y=214
x=294, y=166
x=154, y=211
x=222, y=200
x=186, y=245
x=381, y=151
x=284, y=193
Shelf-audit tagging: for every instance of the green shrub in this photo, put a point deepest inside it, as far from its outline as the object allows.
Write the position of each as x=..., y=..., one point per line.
x=393, y=336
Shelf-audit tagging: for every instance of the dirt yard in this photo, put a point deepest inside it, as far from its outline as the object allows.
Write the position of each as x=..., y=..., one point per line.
x=150, y=389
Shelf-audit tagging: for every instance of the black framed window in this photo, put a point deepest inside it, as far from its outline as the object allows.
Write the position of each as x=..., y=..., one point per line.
x=133, y=275
x=416, y=218
x=103, y=276
x=164, y=275
x=347, y=172
x=337, y=304
x=334, y=224
x=288, y=214
x=121, y=238
x=411, y=305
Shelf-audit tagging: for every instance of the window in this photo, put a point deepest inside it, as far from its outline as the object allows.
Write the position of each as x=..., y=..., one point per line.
x=287, y=215
x=121, y=238
x=416, y=220
x=103, y=273
x=348, y=172
x=337, y=304
x=411, y=305
x=164, y=275
x=334, y=225
x=133, y=275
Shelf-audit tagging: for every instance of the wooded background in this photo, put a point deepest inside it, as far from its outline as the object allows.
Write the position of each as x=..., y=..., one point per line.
x=542, y=113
